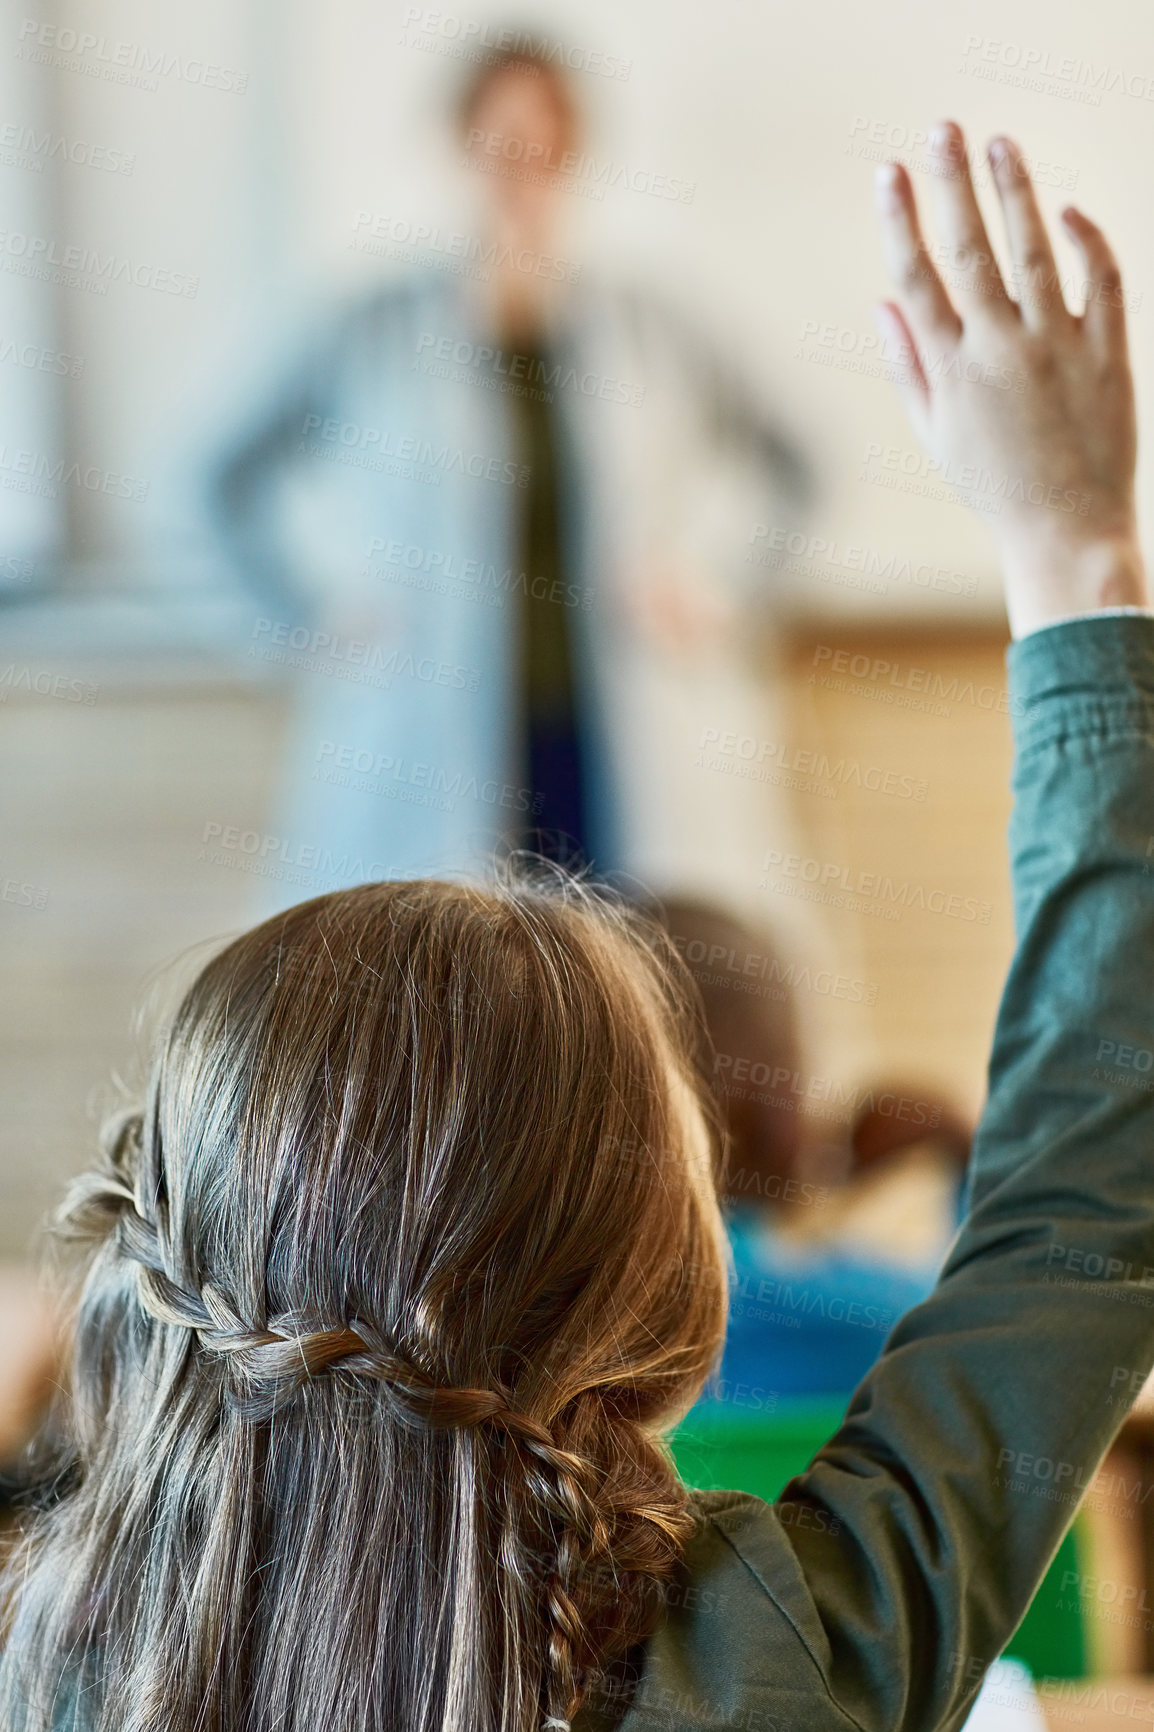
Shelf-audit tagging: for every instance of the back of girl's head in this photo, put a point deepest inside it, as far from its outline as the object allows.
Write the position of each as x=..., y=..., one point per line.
x=409, y=1254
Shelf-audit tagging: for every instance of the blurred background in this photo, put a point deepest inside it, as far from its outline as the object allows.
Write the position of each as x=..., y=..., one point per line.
x=798, y=630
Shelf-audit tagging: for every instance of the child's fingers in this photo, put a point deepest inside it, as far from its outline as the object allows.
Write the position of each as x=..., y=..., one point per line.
x=927, y=305
x=1038, y=287
x=1105, y=314
x=910, y=376
x=963, y=228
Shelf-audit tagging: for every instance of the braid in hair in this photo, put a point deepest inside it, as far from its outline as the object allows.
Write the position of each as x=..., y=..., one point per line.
x=98, y=1198
x=620, y=1518
x=270, y=1363
x=594, y=1526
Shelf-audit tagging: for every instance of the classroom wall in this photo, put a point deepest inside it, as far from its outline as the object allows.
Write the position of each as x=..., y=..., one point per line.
x=251, y=160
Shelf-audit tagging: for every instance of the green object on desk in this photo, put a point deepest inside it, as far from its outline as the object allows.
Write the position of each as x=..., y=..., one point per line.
x=759, y=1452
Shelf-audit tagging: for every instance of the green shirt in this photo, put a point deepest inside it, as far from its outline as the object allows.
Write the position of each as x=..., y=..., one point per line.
x=876, y=1589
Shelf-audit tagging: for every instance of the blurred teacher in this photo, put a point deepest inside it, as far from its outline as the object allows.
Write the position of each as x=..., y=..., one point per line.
x=502, y=528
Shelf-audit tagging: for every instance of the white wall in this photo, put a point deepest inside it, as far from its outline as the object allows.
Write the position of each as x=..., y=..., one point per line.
x=252, y=192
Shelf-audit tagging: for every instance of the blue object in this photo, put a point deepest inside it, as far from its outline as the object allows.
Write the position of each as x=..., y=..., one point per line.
x=805, y=1322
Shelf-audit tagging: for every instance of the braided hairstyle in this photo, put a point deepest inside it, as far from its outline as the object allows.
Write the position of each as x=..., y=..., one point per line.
x=397, y=1273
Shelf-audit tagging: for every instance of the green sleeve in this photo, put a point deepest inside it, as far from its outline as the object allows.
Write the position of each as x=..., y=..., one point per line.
x=966, y=1450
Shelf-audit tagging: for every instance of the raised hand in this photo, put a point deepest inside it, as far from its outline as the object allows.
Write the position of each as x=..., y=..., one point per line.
x=1026, y=406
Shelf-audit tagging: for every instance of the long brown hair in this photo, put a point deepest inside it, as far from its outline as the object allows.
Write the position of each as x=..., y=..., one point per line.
x=402, y=1266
